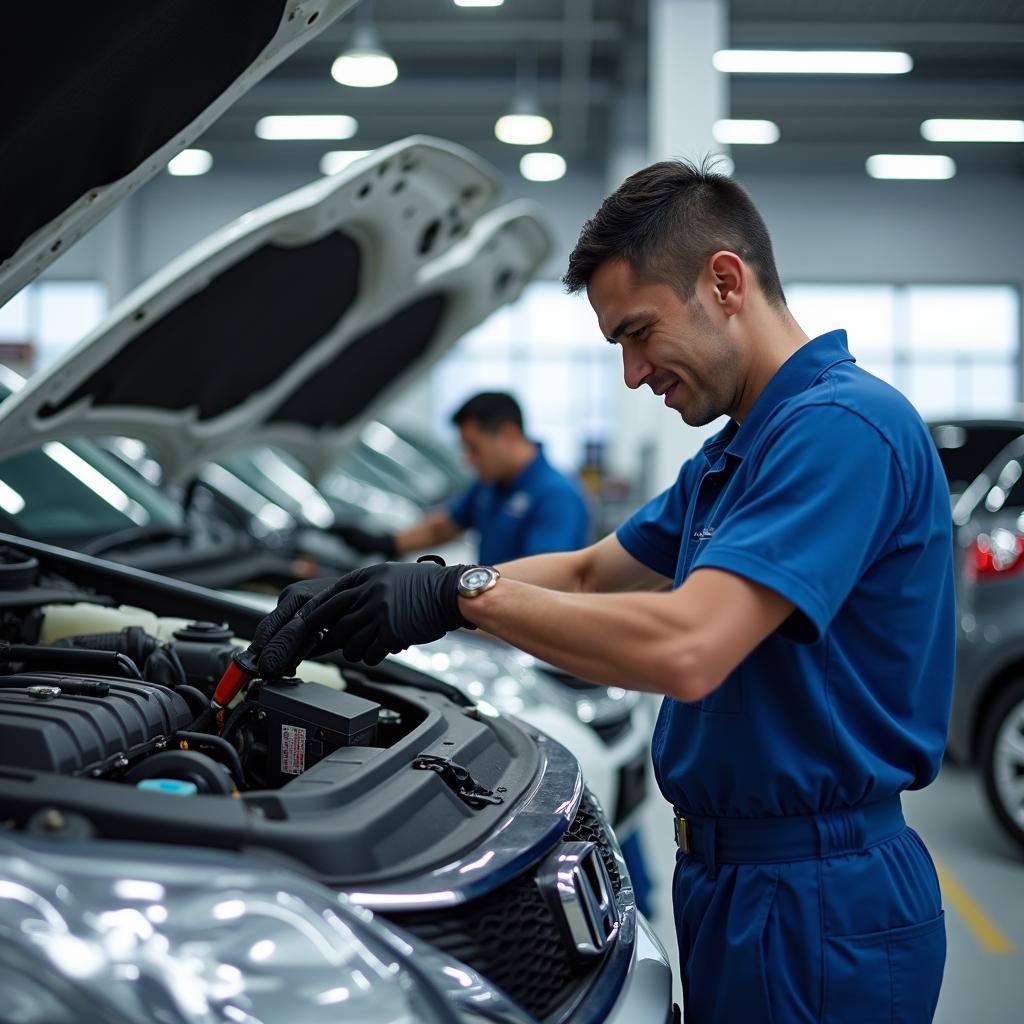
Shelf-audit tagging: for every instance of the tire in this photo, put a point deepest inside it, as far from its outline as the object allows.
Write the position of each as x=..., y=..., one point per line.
x=1001, y=759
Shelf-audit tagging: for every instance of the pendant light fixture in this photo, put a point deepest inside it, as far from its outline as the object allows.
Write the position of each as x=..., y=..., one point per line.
x=365, y=64
x=524, y=124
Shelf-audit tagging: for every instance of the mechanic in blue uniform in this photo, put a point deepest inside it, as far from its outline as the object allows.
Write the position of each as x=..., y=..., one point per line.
x=520, y=504
x=800, y=623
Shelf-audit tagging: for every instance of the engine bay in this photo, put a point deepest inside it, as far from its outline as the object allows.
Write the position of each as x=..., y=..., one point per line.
x=108, y=729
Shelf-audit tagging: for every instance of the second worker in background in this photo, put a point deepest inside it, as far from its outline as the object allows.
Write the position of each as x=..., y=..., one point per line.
x=520, y=504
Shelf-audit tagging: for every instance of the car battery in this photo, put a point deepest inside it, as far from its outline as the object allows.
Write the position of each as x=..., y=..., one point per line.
x=306, y=722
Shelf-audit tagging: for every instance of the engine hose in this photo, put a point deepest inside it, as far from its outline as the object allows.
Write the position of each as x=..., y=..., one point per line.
x=132, y=641
x=70, y=659
x=196, y=699
x=231, y=759
x=238, y=716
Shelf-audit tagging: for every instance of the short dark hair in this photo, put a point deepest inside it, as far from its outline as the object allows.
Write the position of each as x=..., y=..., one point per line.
x=667, y=220
x=489, y=410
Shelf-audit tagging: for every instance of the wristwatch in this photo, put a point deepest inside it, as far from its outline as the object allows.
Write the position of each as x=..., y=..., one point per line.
x=476, y=579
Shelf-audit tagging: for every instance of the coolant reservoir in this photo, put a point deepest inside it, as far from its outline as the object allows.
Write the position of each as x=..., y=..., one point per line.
x=64, y=620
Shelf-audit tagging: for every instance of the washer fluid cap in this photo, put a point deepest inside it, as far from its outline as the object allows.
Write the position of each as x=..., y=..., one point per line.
x=176, y=787
x=205, y=632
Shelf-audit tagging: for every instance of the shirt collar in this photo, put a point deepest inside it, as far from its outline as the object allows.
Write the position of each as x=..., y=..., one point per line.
x=529, y=469
x=803, y=368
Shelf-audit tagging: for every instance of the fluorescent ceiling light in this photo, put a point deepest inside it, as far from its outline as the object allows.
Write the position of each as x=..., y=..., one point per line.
x=365, y=65
x=479, y=3
x=190, y=162
x=338, y=159
x=306, y=126
x=10, y=500
x=749, y=132
x=910, y=166
x=523, y=129
x=970, y=129
x=542, y=166
x=812, y=62
x=364, y=70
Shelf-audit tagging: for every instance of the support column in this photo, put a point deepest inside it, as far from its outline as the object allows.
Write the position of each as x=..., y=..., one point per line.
x=686, y=95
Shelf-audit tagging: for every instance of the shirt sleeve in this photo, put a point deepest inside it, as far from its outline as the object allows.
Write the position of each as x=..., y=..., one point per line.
x=653, y=533
x=557, y=523
x=460, y=508
x=825, y=500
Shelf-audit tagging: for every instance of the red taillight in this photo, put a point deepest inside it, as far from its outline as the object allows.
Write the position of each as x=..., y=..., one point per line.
x=995, y=556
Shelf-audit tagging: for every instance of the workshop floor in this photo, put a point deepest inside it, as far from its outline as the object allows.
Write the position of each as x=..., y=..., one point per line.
x=982, y=876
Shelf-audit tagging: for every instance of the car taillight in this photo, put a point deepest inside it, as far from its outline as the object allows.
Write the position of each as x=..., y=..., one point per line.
x=995, y=555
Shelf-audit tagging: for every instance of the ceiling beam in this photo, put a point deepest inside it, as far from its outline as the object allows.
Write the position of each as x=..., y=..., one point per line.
x=848, y=33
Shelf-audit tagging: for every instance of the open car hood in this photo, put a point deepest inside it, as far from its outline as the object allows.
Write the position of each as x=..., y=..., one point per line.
x=94, y=110
x=294, y=324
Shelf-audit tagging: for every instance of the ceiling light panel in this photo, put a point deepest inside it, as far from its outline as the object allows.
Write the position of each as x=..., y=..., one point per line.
x=523, y=129
x=364, y=70
x=906, y=166
x=542, y=166
x=972, y=129
x=812, y=62
x=190, y=163
x=734, y=131
x=306, y=126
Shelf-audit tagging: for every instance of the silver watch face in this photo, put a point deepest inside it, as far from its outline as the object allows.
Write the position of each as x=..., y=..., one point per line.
x=476, y=578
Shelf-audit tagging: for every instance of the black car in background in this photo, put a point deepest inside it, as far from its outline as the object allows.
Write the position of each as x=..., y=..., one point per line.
x=984, y=463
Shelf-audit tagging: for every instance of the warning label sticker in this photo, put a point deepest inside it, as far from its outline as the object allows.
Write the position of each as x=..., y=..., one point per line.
x=293, y=750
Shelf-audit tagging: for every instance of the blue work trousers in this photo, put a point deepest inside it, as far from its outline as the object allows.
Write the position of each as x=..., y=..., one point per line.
x=857, y=938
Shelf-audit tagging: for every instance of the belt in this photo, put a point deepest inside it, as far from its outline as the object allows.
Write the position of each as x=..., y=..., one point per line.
x=798, y=837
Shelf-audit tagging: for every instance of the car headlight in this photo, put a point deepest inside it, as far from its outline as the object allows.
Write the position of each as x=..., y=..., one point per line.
x=516, y=682
x=482, y=669
x=97, y=936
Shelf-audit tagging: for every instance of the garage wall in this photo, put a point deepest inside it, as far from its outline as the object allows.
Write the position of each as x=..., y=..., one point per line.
x=966, y=230
x=854, y=229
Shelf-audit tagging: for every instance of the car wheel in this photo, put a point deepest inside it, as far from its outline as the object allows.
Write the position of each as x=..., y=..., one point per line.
x=1001, y=758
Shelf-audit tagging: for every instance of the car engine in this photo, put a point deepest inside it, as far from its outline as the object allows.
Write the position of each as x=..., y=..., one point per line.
x=131, y=704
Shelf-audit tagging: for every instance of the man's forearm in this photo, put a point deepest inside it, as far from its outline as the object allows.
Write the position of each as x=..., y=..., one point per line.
x=563, y=571
x=630, y=640
x=682, y=644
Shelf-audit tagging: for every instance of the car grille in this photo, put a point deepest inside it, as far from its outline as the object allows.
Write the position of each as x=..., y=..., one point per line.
x=511, y=936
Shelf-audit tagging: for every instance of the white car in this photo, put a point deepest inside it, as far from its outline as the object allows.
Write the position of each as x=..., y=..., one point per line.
x=355, y=845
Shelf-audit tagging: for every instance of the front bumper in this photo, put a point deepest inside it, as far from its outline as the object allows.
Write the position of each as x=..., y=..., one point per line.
x=646, y=994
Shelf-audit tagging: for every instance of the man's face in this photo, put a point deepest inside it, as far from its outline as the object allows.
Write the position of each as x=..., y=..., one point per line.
x=486, y=452
x=672, y=346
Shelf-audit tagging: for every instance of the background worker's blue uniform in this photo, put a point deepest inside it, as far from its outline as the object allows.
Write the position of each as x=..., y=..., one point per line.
x=805, y=897
x=539, y=511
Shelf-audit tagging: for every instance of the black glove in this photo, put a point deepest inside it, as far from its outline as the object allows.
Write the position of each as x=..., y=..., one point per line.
x=367, y=614
x=365, y=542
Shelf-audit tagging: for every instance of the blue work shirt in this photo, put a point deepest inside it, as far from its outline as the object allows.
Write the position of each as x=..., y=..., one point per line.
x=540, y=510
x=831, y=494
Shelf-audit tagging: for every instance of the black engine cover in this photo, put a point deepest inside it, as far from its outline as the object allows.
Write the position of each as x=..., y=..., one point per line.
x=78, y=735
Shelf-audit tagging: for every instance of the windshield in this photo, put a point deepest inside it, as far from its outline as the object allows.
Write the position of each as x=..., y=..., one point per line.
x=389, y=461
x=71, y=492
x=281, y=479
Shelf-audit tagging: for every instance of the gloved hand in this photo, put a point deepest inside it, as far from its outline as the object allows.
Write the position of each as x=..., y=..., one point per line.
x=366, y=542
x=367, y=614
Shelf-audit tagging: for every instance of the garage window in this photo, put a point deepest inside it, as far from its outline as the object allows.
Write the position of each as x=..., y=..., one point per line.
x=47, y=318
x=953, y=350
x=546, y=349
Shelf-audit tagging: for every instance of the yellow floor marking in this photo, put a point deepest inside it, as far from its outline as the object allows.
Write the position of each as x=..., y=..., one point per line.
x=985, y=931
